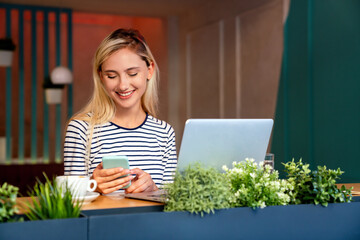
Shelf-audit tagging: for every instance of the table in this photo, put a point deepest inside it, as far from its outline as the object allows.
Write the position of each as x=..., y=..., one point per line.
x=356, y=187
x=102, y=202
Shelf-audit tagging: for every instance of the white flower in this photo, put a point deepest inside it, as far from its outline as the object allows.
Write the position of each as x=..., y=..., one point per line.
x=225, y=168
x=238, y=171
x=268, y=168
x=262, y=204
x=249, y=160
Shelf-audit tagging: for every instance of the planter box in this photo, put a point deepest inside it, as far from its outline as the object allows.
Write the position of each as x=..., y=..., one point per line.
x=337, y=221
x=61, y=229
x=129, y=210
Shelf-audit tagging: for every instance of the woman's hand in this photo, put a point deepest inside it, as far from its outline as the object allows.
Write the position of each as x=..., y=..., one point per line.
x=141, y=183
x=108, y=180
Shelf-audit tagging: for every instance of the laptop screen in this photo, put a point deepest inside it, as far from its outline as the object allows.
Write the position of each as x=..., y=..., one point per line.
x=218, y=142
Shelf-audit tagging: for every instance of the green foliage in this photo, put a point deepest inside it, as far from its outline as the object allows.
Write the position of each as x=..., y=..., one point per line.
x=255, y=186
x=198, y=190
x=318, y=187
x=247, y=184
x=49, y=201
x=8, y=195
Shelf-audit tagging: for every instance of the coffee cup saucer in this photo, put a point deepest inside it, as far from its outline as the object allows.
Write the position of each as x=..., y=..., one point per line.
x=89, y=197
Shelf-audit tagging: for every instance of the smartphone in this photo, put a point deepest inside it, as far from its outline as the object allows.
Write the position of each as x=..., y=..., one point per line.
x=116, y=161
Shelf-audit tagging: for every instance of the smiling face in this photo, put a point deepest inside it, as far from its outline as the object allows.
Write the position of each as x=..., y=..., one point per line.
x=124, y=75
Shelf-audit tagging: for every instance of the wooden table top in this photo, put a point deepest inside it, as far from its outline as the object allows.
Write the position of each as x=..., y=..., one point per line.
x=356, y=187
x=101, y=202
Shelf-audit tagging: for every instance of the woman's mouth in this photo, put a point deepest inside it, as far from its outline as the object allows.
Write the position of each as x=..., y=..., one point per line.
x=125, y=95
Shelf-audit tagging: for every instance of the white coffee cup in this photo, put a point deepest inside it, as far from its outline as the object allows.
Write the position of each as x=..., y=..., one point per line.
x=78, y=185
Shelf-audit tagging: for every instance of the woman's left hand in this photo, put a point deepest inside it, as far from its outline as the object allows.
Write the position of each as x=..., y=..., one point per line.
x=141, y=183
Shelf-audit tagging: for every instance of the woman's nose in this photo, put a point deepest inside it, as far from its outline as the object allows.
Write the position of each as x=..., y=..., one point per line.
x=124, y=83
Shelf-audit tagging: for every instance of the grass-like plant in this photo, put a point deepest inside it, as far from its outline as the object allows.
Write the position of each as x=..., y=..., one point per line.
x=198, y=190
x=50, y=201
x=255, y=185
x=8, y=209
x=317, y=187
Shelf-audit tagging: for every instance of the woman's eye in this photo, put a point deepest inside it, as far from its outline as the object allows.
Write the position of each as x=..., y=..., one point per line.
x=111, y=77
x=132, y=74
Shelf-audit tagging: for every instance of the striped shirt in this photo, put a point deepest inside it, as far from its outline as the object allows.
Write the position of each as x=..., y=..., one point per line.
x=150, y=147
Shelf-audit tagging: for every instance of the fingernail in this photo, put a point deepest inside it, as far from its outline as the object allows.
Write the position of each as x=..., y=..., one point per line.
x=120, y=169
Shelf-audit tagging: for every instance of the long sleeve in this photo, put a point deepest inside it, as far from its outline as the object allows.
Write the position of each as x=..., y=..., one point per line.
x=170, y=157
x=75, y=148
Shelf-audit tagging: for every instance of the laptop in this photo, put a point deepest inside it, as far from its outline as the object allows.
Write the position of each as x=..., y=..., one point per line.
x=218, y=142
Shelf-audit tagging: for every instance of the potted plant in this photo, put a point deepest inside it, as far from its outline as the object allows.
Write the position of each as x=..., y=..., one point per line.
x=49, y=201
x=8, y=194
x=50, y=213
x=7, y=48
x=256, y=185
x=53, y=92
x=315, y=187
x=198, y=190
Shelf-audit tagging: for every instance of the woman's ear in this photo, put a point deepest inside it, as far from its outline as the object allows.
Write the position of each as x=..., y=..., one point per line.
x=151, y=69
x=100, y=76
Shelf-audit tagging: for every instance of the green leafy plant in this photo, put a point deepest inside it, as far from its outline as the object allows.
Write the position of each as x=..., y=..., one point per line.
x=198, y=190
x=255, y=185
x=8, y=208
x=318, y=187
x=50, y=201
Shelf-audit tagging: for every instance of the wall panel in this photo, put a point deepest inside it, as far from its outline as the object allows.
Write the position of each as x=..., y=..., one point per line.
x=234, y=59
x=33, y=128
x=203, y=91
x=318, y=109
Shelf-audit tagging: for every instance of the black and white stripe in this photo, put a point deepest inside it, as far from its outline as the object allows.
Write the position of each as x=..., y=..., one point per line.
x=150, y=147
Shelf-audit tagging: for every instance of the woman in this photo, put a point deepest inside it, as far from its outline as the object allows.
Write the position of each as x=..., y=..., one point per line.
x=120, y=119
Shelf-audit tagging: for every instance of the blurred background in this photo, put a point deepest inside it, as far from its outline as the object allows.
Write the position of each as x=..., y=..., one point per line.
x=294, y=61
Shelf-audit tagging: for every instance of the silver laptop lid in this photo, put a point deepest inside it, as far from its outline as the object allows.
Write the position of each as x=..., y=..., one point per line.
x=218, y=142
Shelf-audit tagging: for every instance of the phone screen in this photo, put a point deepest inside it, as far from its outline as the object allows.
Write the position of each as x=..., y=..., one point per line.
x=116, y=161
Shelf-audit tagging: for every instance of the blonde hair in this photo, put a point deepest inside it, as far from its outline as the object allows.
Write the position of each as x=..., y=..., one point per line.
x=101, y=107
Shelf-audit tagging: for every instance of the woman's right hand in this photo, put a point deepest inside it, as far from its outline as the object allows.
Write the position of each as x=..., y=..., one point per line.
x=108, y=180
